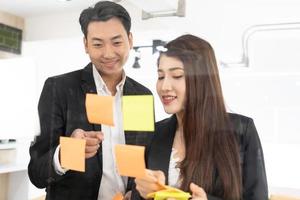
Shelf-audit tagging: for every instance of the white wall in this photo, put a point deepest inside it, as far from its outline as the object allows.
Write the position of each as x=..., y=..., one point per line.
x=18, y=84
x=268, y=91
x=52, y=26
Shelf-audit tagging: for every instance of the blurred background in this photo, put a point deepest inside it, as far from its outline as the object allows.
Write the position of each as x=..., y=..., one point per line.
x=257, y=44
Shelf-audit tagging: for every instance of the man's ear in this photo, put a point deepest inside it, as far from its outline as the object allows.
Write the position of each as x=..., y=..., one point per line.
x=85, y=44
x=130, y=39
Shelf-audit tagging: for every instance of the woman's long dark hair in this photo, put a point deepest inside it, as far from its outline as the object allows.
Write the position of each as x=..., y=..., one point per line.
x=211, y=146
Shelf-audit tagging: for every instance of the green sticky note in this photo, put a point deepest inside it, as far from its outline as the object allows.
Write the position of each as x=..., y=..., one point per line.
x=138, y=112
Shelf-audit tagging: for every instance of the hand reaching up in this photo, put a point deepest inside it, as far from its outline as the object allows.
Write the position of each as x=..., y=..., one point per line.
x=197, y=192
x=150, y=183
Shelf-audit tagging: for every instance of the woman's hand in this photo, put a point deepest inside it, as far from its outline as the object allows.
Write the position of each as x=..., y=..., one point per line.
x=127, y=196
x=197, y=192
x=150, y=183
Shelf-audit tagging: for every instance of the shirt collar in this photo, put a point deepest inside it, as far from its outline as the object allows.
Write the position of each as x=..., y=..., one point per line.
x=100, y=84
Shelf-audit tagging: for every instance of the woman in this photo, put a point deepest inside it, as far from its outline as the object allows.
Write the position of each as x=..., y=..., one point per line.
x=201, y=149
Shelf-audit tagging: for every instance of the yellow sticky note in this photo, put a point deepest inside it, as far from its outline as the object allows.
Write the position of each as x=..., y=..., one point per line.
x=72, y=153
x=99, y=109
x=169, y=193
x=130, y=160
x=138, y=113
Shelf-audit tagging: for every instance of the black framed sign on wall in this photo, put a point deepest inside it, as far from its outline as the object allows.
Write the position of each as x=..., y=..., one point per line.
x=10, y=39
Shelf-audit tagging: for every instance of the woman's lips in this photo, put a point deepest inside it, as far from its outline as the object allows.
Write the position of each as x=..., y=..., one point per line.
x=167, y=99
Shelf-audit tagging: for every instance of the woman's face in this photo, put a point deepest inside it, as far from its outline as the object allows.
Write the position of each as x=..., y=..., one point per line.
x=170, y=85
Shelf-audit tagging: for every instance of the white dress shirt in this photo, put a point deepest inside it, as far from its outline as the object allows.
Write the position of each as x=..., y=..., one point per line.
x=174, y=171
x=111, y=182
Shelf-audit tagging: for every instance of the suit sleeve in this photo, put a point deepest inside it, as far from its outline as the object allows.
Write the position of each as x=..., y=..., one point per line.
x=40, y=169
x=254, y=174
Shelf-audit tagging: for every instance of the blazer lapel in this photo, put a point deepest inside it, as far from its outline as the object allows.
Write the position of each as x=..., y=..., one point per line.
x=88, y=86
x=87, y=80
x=161, y=147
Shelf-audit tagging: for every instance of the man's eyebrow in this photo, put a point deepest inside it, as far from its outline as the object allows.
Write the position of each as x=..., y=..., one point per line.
x=97, y=39
x=116, y=37
x=101, y=40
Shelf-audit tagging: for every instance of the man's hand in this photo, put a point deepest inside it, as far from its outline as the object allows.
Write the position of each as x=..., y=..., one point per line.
x=93, y=140
x=150, y=183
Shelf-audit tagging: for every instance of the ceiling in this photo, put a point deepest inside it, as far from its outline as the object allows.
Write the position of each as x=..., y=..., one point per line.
x=33, y=8
x=29, y=8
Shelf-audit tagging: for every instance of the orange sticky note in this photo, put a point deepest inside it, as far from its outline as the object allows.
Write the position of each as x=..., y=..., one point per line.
x=118, y=196
x=72, y=153
x=99, y=109
x=130, y=160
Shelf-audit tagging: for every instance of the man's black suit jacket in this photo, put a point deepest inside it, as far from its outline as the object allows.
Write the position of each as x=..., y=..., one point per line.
x=61, y=110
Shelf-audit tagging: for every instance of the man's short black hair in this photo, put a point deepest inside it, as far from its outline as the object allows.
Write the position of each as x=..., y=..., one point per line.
x=103, y=11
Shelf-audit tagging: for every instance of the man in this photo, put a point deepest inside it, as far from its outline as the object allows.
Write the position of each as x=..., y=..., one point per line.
x=107, y=40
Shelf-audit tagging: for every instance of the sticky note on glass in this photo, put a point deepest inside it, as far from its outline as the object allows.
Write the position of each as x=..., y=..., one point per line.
x=130, y=160
x=99, y=109
x=72, y=153
x=169, y=193
x=138, y=113
x=118, y=196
